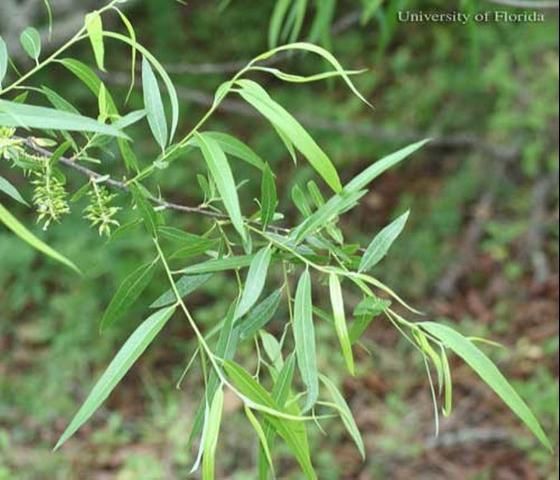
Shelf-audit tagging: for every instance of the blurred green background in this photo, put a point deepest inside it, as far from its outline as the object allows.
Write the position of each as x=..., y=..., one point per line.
x=480, y=249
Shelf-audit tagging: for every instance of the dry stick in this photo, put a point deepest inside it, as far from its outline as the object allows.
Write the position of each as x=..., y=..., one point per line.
x=118, y=185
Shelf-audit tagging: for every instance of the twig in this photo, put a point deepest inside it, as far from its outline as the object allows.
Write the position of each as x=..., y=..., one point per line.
x=118, y=185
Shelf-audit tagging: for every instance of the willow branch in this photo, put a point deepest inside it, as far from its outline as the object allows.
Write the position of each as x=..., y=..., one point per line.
x=118, y=185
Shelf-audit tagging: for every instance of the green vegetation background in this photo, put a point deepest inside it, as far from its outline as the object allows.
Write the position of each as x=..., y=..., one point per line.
x=480, y=250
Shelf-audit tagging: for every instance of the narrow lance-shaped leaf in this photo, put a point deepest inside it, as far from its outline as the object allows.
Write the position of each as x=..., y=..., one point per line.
x=154, y=105
x=254, y=284
x=145, y=209
x=289, y=430
x=16, y=115
x=219, y=265
x=3, y=60
x=345, y=414
x=382, y=242
x=10, y=190
x=373, y=171
x=261, y=436
x=236, y=148
x=304, y=336
x=329, y=57
x=221, y=174
x=127, y=293
x=172, y=92
x=186, y=285
x=15, y=226
x=260, y=315
x=30, y=40
x=257, y=96
x=211, y=435
x=117, y=369
x=484, y=367
x=269, y=197
x=337, y=303
x=94, y=28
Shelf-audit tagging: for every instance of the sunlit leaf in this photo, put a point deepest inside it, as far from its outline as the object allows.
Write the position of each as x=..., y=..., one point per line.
x=219, y=264
x=337, y=303
x=236, y=148
x=221, y=174
x=211, y=435
x=255, y=95
x=382, y=242
x=13, y=114
x=4, y=60
x=304, y=337
x=11, y=191
x=30, y=40
x=117, y=369
x=94, y=28
x=269, y=198
x=484, y=367
x=289, y=430
x=254, y=284
x=15, y=226
x=153, y=104
x=345, y=414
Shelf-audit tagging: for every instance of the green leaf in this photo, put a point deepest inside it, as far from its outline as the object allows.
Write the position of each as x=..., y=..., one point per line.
x=329, y=57
x=94, y=28
x=186, y=285
x=300, y=201
x=128, y=292
x=30, y=40
x=211, y=435
x=364, y=313
x=154, y=105
x=29, y=116
x=261, y=436
x=254, y=284
x=291, y=431
x=172, y=92
x=90, y=80
x=117, y=369
x=132, y=34
x=345, y=414
x=221, y=174
x=11, y=191
x=484, y=367
x=277, y=20
x=260, y=315
x=255, y=95
x=219, y=264
x=334, y=207
x=337, y=303
x=236, y=148
x=4, y=60
x=382, y=242
x=376, y=169
x=15, y=226
x=280, y=393
x=304, y=336
x=269, y=197
x=147, y=212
